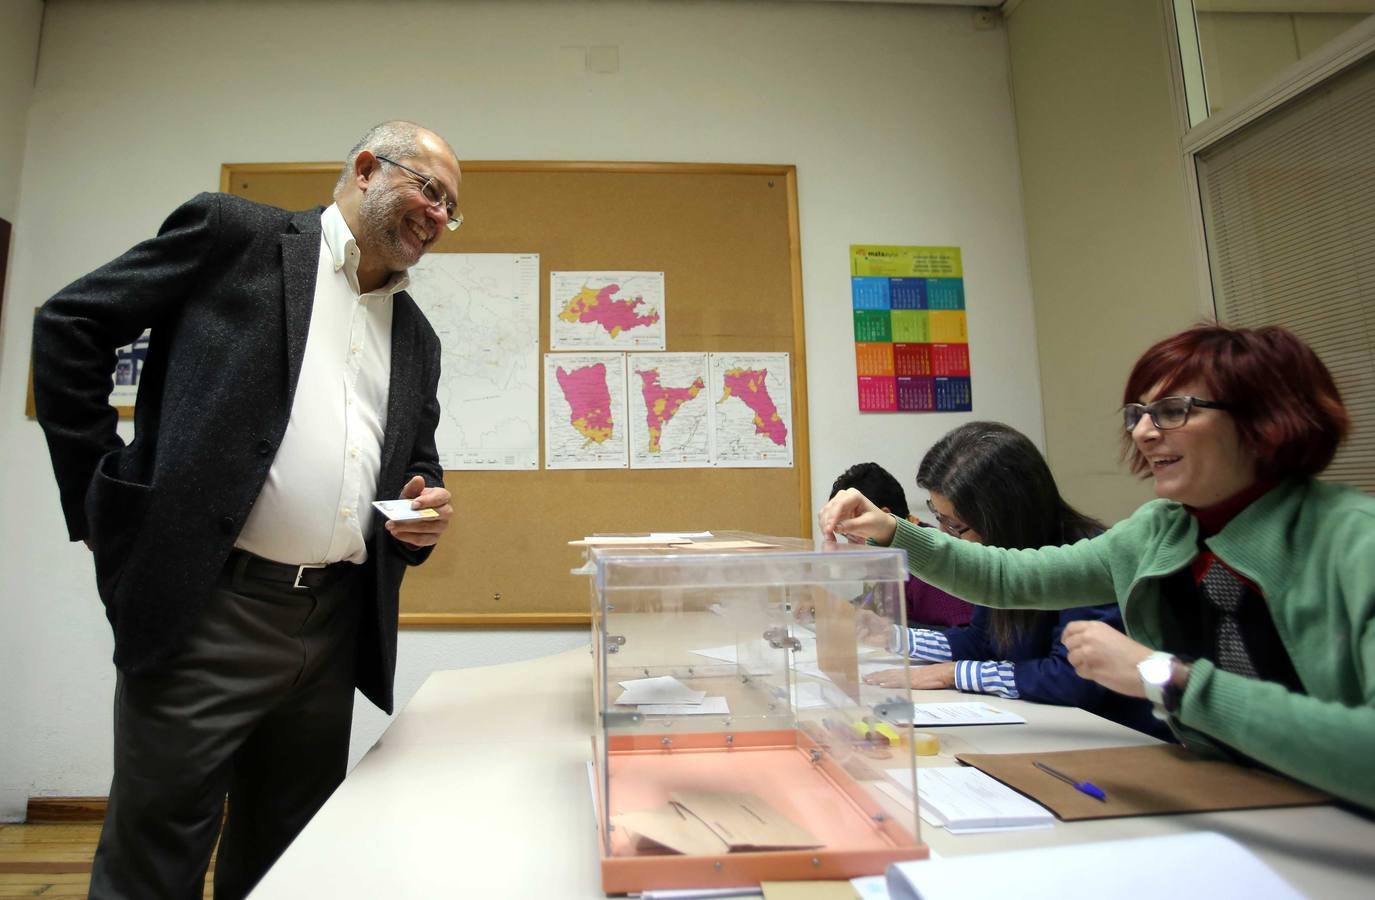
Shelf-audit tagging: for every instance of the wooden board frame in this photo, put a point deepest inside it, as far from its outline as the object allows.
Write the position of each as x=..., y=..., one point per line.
x=723, y=219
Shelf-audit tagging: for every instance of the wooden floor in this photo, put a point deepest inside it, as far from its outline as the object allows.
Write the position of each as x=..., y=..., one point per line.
x=51, y=861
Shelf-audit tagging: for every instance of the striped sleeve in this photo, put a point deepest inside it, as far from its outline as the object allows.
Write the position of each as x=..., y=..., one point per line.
x=924, y=644
x=986, y=677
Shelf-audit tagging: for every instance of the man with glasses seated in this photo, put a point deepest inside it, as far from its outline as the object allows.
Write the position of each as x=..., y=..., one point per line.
x=988, y=484
x=289, y=382
x=1247, y=588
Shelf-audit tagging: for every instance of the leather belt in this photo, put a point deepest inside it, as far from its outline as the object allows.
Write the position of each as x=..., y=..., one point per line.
x=303, y=577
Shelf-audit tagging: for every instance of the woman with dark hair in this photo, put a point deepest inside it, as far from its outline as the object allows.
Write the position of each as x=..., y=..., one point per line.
x=990, y=485
x=1247, y=588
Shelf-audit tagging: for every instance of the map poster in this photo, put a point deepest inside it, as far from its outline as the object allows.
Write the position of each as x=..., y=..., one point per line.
x=585, y=419
x=485, y=309
x=751, y=422
x=670, y=410
x=606, y=311
x=911, y=336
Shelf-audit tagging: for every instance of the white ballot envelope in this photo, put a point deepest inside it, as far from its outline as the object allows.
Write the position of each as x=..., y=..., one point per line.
x=400, y=510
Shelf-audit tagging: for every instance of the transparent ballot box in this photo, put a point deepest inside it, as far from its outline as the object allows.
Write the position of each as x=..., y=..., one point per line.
x=737, y=741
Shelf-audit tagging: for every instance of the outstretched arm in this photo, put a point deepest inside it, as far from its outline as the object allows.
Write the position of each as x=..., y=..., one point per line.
x=1046, y=578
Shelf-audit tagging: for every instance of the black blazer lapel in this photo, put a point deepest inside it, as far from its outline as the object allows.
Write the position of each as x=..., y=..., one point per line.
x=401, y=390
x=300, y=261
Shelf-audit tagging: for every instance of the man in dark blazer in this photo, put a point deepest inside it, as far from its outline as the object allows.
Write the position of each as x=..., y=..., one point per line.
x=289, y=381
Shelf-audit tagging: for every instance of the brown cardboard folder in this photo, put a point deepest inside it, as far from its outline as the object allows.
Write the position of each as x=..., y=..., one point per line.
x=1141, y=781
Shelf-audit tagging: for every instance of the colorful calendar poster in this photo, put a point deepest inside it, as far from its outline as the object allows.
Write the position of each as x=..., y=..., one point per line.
x=911, y=335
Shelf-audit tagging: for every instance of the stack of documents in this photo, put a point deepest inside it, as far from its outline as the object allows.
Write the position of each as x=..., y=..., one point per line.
x=670, y=540
x=964, y=800
x=667, y=696
x=932, y=715
x=1198, y=864
x=651, y=539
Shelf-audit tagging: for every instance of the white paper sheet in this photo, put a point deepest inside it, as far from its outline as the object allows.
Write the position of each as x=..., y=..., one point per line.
x=725, y=653
x=931, y=715
x=870, y=887
x=965, y=800
x=865, y=669
x=1197, y=864
x=662, y=689
x=762, y=658
x=710, y=706
x=740, y=893
x=809, y=695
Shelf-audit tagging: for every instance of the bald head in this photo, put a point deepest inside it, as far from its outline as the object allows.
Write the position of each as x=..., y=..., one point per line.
x=397, y=139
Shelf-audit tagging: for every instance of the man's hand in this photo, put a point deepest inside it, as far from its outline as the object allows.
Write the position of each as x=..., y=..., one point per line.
x=934, y=677
x=851, y=514
x=422, y=532
x=1103, y=654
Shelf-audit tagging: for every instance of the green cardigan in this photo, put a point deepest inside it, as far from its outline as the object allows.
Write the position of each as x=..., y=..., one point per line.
x=1310, y=548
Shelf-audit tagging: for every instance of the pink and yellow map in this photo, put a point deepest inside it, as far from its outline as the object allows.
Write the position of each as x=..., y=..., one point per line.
x=662, y=403
x=748, y=385
x=615, y=315
x=589, y=401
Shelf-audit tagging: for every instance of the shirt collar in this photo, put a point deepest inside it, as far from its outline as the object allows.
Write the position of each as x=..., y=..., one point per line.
x=344, y=253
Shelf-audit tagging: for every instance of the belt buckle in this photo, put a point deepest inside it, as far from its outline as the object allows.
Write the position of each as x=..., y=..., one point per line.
x=301, y=570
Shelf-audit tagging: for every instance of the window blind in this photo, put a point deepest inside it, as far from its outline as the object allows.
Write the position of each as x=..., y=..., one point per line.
x=1289, y=216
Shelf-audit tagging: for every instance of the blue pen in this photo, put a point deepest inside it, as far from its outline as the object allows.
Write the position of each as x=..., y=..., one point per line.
x=1086, y=787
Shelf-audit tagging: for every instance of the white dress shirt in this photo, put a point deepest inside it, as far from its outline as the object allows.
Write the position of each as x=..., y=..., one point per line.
x=316, y=506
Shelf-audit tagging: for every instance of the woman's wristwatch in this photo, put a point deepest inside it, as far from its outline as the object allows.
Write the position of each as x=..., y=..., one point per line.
x=1163, y=679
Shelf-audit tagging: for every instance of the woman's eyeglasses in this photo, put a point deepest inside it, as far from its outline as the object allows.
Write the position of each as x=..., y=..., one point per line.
x=432, y=192
x=952, y=527
x=1167, y=412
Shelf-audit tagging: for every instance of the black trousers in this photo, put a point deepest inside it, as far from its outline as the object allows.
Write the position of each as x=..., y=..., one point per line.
x=257, y=705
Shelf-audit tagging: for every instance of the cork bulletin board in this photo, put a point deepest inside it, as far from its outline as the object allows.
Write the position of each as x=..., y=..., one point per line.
x=726, y=238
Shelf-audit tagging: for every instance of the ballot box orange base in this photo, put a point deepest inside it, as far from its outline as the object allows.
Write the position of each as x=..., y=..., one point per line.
x=782, y=768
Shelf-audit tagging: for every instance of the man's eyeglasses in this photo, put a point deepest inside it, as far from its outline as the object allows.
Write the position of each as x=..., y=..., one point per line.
x=952, y=527
x=432, y=192
x=1167, y=412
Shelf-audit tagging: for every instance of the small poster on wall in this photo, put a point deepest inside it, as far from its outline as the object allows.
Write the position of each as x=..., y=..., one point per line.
x=911, y=339
x=128, y=368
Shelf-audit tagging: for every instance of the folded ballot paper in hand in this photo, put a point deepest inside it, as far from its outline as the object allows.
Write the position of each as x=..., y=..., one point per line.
x=1207, y=865
x=400, y=510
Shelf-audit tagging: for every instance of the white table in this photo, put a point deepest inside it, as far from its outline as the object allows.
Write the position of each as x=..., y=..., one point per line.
x=479, y=789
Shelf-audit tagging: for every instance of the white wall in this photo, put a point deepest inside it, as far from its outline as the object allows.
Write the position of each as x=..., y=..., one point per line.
x=899, y=120
x=19, y=24
x=19, y=32
x=1108, y=223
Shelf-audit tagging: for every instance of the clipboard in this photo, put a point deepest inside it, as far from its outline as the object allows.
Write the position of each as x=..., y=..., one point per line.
x=1142, y=781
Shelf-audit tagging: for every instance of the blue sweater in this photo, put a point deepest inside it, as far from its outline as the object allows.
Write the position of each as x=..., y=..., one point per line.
x=1042, y=669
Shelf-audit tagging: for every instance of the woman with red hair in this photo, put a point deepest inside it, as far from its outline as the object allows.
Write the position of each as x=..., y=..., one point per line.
x=1247, y=589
